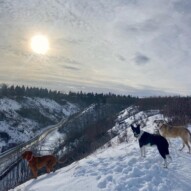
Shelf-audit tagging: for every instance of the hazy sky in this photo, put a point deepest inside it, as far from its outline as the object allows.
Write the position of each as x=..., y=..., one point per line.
x=137, y=47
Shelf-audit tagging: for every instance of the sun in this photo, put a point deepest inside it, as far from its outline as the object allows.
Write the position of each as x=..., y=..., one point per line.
x=39, y=44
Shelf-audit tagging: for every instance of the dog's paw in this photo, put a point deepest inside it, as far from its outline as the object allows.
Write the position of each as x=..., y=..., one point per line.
x=164, y=165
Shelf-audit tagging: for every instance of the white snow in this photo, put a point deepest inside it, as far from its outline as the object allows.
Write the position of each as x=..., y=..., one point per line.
x=120, y=168
x=70, y=109
x=50, y=142
x=7, y=104
x=21, y=129
x=50, y=107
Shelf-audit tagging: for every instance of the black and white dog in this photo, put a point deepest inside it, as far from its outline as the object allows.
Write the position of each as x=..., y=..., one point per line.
x=146, y=138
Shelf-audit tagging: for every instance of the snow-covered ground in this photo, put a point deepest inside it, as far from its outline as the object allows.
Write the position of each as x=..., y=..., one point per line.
x=19, y=128
x=120, y=168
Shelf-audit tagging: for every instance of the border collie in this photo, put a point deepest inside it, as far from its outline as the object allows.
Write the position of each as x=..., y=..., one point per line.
x=146, y=138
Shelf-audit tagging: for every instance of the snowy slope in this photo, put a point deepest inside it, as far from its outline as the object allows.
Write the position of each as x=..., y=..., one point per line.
x=120, y=168
x=22, y=119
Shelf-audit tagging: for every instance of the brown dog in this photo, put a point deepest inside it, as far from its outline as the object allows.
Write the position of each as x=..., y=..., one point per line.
x=35, y=163
x=168, y=131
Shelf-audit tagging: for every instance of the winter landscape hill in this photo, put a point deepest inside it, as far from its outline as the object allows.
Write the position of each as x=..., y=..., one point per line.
x=49, y=122
x=96, y=142
x=118, y=166
x=23, y=118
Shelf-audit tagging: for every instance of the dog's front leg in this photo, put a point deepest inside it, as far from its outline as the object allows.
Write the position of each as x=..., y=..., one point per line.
x=165, y=163
x=142, y=151
x=183, y=145
x=34, y=171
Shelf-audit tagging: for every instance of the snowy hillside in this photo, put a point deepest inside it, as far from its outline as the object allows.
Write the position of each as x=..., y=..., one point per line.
x=22, y=119
x=120, y=168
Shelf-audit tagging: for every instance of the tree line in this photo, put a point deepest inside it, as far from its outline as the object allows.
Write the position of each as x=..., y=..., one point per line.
x=177, y=108
x=76, y=97
x=19, y=91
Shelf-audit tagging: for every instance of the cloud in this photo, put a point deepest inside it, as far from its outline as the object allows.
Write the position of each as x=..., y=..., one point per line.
x=183, y=6
x=141, y=59
x=72, y=68
x=104, y=41
x=70, y=61
x=121, y=58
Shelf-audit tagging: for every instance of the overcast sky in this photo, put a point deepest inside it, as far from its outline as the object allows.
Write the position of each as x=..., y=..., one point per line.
x=137, y=47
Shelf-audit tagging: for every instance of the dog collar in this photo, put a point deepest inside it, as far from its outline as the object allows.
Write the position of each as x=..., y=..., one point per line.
x=140, y=135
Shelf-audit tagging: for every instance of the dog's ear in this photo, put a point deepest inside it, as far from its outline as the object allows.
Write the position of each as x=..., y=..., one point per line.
x=24, y=155
x=132, y=127
x=137, y=126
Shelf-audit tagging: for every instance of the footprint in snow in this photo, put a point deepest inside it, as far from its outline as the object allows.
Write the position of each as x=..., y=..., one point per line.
x=103, y=182
x=132, y=161
x=118, y=169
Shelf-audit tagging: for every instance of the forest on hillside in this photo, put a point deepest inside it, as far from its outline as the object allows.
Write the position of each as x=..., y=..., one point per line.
x=81, y=98
x=177, y=108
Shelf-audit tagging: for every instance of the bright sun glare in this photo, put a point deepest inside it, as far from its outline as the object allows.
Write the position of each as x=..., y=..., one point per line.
x=39, y=44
